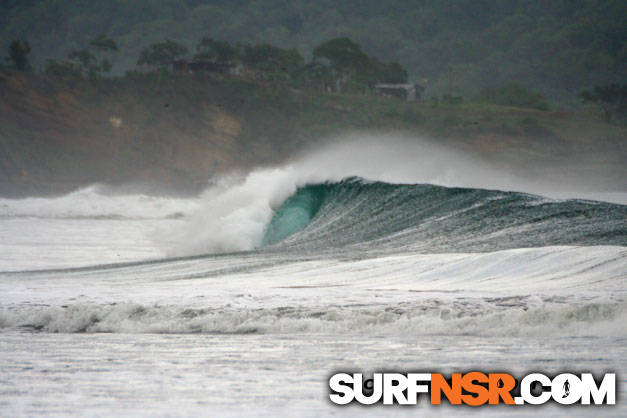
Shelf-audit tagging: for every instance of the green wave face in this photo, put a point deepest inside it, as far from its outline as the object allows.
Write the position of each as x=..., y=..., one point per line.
x=295, y=213
x=433, y=219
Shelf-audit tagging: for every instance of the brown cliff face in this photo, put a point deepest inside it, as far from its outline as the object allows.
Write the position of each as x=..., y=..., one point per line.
x=174, y=132
x=58, y=134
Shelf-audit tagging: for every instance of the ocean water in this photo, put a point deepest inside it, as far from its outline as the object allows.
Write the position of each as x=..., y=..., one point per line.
x=245, y=299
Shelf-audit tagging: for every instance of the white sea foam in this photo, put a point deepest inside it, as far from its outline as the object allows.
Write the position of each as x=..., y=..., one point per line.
x=98, y=202
x=511, y=317
x=234, y=213
x=285, y=319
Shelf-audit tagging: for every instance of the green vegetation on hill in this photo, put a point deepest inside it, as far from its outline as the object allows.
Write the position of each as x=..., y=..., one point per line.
x=176, y=130
x=459, y=47
x=337, y=65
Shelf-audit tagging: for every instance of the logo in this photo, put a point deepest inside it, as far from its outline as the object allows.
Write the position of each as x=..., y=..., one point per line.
x=472, y=388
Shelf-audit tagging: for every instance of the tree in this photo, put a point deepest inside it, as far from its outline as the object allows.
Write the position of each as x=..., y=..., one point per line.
x=103, y=43
x=161, y=54
x=611, y=97
x=104, y=47
x=18, y=52
x=87, y=62
x=314, y=76
x=352, y=68
x=62, y=68
x=392, y=73
x=345, y=59
x=93, y=60
x=217, y=51
x=343, y=54
x=272, y=61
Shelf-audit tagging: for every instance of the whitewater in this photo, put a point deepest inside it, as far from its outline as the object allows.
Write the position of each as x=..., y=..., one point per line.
x=369, y=254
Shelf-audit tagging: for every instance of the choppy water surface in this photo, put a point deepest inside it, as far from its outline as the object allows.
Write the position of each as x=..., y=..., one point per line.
x=245, y=299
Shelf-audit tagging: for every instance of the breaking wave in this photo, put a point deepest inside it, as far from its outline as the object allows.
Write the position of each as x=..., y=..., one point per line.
x=375, y=191
x=430, y=219
x=329, y=244
x=97, y=202
x=512, y=317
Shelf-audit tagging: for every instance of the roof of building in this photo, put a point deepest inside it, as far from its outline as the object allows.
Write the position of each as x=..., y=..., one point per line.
x=398, y=86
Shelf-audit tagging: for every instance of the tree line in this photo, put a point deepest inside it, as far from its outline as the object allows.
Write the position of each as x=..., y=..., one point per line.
x=557, y=47
x=337, y=65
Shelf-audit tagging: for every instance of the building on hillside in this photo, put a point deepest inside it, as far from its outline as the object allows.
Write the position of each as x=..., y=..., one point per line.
x=202, y=66
x=409, y=92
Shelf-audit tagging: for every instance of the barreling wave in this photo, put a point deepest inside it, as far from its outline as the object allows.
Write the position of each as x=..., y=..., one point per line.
x=316, y=201
x=428, y=218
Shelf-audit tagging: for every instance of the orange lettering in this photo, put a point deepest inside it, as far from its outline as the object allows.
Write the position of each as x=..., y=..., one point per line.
x=439, y=385
x=468, y=383
x=501, y=384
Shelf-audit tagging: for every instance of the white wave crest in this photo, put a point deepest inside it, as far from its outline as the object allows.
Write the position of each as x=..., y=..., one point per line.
x=511, y=317
x=99, y=202
x=234, y=213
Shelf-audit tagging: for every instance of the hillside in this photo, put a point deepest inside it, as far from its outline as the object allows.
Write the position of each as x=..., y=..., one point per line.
x=177, y=131
x=557, y=47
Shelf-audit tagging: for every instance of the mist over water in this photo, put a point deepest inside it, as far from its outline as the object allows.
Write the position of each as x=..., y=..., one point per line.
x=217, y=256
x=397, y=159
x=236, y=211
x=233, y=214
x=354, y=247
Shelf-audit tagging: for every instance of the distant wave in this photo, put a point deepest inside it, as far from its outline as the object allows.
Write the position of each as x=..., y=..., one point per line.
x=97, y=202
